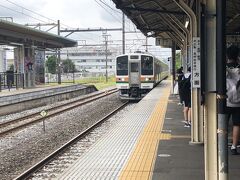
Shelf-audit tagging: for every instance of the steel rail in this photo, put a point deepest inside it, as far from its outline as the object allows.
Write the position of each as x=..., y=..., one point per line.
x=60, y=150
x=39, y=118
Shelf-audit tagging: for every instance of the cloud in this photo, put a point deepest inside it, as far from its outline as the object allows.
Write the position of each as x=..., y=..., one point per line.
x=20, y=14
x=110, y=17
x=73, y=13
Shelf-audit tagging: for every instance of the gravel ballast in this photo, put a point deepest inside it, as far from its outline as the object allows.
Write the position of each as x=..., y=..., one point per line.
x=20, y=150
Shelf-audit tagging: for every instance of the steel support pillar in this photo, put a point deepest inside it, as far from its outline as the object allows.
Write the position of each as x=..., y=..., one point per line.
x=210, y=128
x=196, y=110
x=173, y=64
x=222, y=130
x=59, y=58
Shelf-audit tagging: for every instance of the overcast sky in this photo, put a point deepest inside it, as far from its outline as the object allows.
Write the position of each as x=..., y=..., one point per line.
x=73, y=14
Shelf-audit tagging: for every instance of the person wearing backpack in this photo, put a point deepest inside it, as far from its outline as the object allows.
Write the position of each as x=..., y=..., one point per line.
x=180, y=76
x=185, y=87
x=233, y=93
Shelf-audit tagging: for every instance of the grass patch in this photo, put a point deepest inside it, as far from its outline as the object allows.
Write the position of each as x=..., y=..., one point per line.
x=98, y=82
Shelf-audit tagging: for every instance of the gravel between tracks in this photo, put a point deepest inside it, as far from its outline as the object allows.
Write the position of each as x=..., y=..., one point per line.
x=21, y=150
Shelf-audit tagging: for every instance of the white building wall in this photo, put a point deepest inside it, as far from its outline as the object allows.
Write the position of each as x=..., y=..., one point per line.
x=91, y=60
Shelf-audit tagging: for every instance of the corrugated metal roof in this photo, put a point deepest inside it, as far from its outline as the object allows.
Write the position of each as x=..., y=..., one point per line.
x=233, y=17
x=16, y=33
x=154, y=17
x=159, y=16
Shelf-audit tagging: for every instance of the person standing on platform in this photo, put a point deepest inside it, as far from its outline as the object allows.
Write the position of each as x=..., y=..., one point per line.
x=233, y=93
x=185, y=87
x=180, y=76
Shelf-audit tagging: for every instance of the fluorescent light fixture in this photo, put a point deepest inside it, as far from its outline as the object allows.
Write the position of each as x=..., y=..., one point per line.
x=149, y=33
x=15, y=44
x=186, y=23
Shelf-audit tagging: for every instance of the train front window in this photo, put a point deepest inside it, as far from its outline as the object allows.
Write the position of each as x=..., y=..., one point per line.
x=147, y=65
x=134, y=67
x=122, y=65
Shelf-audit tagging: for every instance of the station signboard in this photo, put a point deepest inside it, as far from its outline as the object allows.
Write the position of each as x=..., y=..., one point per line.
x=163, y=42
x=196, y=70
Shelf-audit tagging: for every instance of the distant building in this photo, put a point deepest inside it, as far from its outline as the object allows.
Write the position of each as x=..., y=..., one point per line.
x=91, y=60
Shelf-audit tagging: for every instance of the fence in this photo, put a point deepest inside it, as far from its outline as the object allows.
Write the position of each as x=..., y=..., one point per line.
x=11, y=80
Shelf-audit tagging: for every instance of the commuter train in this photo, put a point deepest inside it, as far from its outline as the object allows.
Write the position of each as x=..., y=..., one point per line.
x=137, y=73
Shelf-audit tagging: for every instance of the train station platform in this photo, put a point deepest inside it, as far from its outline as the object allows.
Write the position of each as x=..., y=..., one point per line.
x=23, y=99
x=149, y=142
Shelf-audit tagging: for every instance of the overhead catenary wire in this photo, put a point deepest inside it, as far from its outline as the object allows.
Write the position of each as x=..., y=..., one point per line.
x=22, y=13
x=31, y=11
x=43, y=21
x=49, y=19
x=108, y=11
x=110, y=6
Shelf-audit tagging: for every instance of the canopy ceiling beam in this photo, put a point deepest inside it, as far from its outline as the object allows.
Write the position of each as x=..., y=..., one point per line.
x=151, y=10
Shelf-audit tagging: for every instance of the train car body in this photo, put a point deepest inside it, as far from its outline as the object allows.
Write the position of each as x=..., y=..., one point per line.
x=137, y=74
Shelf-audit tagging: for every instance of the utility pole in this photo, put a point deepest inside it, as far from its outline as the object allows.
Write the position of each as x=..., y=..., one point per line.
x=146, y=44
x=59, y=56
x=105, y=36
x=123, y=33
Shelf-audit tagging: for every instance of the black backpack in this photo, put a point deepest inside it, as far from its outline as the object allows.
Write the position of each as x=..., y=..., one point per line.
x=185, y=84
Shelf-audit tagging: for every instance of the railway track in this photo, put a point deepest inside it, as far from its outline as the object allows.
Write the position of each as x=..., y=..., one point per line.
x=19, y=123
x=47, y=160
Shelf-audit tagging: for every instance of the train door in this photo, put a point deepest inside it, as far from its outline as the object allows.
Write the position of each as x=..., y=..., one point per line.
x=134, y=79
x=134, y=74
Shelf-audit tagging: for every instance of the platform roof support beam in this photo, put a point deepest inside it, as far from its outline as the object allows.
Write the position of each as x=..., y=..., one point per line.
x=151, y=10
x=187, y=38
x=210, y=135
x=182, y=27
x=176, y=38
x=197, y=110
x=59, y=59
x=222, y=129
x=173, y=63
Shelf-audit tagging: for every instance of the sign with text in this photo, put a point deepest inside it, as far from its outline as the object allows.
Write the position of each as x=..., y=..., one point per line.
x=163, y=42
x=196, y=70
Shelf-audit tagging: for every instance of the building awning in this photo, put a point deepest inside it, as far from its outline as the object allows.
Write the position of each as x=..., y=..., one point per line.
x=16, y=34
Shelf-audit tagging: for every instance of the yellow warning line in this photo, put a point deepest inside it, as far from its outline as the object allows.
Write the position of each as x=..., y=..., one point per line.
x=141, y=162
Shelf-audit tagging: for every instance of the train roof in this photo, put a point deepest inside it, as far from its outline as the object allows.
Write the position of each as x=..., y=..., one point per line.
x=136, y=53
x=142, y=53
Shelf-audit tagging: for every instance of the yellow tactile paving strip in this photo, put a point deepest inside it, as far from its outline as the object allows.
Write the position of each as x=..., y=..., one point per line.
x=141, y=161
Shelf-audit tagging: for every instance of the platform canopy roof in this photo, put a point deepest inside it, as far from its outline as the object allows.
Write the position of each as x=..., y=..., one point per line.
x=158, y=18
x=16, y=34
x=233, y=17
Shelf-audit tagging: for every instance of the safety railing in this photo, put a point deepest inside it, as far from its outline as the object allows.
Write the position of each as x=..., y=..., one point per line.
x=10, y=80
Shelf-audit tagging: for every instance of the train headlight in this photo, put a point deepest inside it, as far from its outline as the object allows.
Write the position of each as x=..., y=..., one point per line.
x=148, y=79
x=121, y=79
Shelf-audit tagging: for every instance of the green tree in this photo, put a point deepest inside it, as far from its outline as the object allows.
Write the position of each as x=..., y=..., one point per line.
x=68, y=66
x=51, y=64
